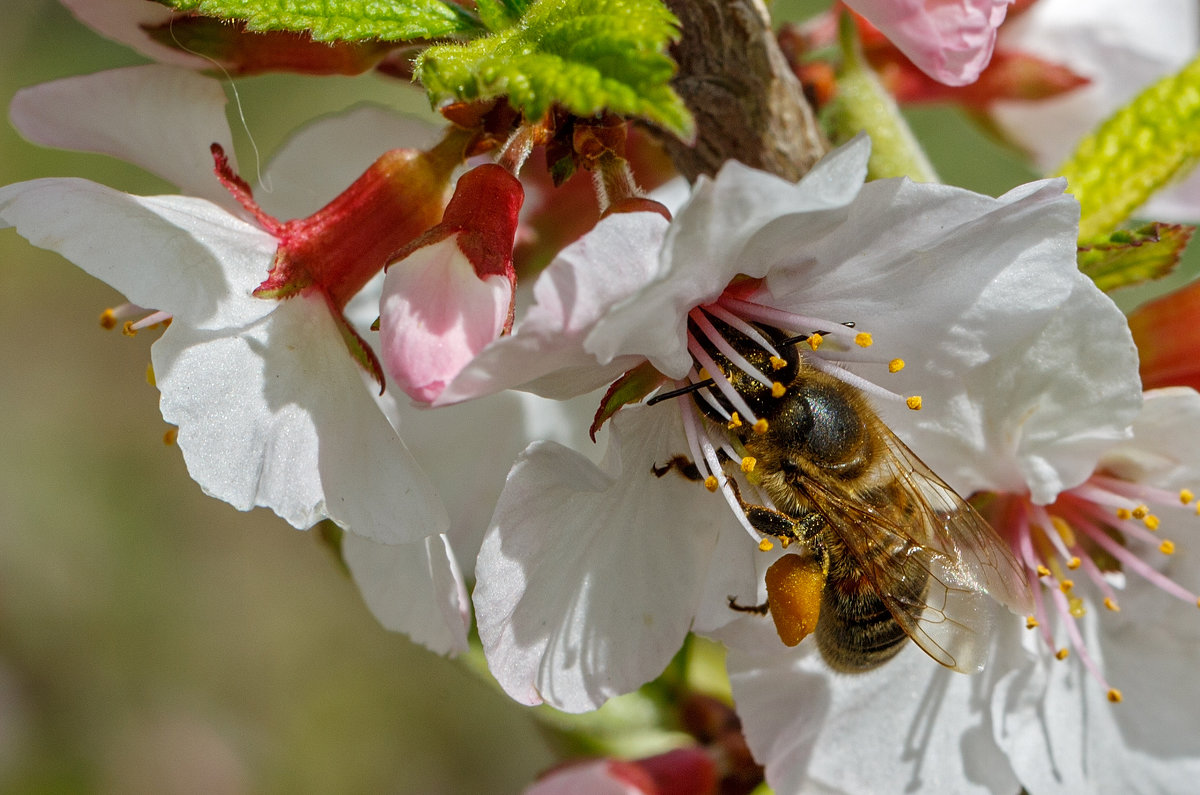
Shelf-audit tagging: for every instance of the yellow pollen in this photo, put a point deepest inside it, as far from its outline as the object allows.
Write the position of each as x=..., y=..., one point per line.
x=1074, y=563
x=1167, y=547
x=914, y=402
x=1124, y=513
x=1076, y=608
x=814, y=340
x=1140, y=512
x=1031, y=623
x=777, y=363
x=761, y=426
x=735, y=421
x=710, y=483
x=765, y=545
x=1111, y=604
x=748, y=464
x=863, y=340
x=150, y=374
x=1151, y=522
x=1186, y=496
x=170, y=436
x=1042, y=571
x=1198, y=507
x=1062, y=653
x=895, y=365
x=1114, y=696
x=128, y=330
x=108, y=320
x=777, y=389
x=1066, y=585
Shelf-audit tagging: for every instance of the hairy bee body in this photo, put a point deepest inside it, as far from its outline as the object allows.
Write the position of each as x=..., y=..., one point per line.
x=903, y=556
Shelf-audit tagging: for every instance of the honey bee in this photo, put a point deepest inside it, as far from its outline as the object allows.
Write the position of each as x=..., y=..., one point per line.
x=893, y=552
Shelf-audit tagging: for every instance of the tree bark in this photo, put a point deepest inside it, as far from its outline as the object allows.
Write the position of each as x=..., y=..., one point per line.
x=747, y=102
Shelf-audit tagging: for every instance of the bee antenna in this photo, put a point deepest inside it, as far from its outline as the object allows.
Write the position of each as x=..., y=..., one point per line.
x=804, y=337
x=674, y=393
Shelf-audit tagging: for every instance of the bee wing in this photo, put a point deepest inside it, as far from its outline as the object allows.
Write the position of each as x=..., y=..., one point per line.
x=966, y=561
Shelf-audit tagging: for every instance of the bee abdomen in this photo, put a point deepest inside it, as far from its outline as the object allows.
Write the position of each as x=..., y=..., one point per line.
x=857, y=632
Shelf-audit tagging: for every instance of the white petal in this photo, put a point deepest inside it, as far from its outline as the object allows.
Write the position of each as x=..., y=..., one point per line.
x=1063, y=736
x=700, y=253
x=322, y=158
x=413, y=588
x=1027, y=370
x=161, y=118
x=589, y=577
x=181, y=255
x=600, y=269
x=277, y=415
x=1161, y=452
x=909, y=726
x=123, y=21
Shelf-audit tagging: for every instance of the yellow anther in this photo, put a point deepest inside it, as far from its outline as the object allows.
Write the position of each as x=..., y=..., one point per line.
x=170, y=436
x=814, y=340
x=761, y=426
x=914, y=402
x=150, y=374
x=1124, y=513
x=1064, y=530
x=734, y=421
x=895, y=365
x=1042, y=571
x=128, y=330
x=863, y=340
x=1062, y=653
x=1066, y=585
x=1114, y=696
x=108, y=320
x=1186, y=496
x=1140, y=512
x=1167, y=547
x=1031, y=623
x=1075, y=607
x=765, y=545
x=777, y=363
x=1111, y=604
x=1074, y=563
x=1152, y=522
x=748, y=464
x=703, y=374
x=785, y=542
x=710, y=483
x=777, y=389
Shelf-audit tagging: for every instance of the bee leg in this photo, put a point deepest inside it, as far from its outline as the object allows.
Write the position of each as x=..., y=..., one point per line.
x=684, y=466
x=771, y=522
x=681, y=464
x=757, y=609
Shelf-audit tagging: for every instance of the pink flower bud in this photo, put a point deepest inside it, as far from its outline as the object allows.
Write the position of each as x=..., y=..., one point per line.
x=449, y=293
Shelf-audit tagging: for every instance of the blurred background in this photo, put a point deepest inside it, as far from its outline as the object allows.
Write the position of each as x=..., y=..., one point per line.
x=155, y=640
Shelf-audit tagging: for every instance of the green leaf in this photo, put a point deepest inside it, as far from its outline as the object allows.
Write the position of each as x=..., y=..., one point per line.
x=862, y=103
x=1137, y=151
x=1135, y=256
x=496, y=15
x=586, y=55
x=344, y=20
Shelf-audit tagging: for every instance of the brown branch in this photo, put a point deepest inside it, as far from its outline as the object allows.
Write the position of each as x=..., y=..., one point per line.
x=747, y=103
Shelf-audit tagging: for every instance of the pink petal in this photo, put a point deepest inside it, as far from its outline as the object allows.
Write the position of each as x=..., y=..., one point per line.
x=435, y=315
x=949, y=40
